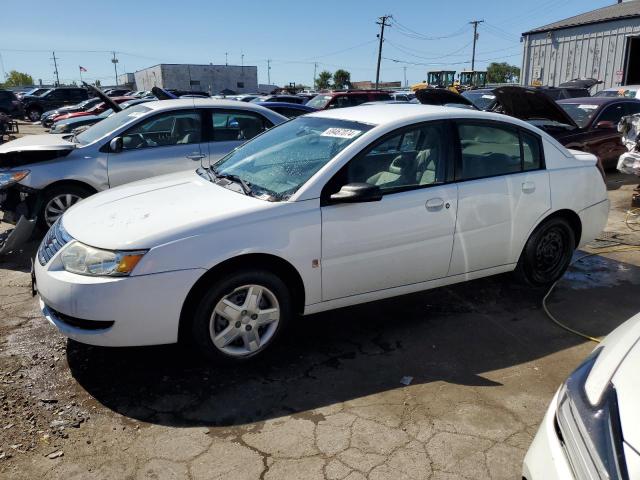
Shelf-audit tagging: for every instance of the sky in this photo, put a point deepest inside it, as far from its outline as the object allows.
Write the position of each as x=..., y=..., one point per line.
x=297, y=37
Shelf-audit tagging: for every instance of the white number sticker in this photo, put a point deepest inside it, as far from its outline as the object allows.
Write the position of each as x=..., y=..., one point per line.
x=340, y=133
x=587, y=107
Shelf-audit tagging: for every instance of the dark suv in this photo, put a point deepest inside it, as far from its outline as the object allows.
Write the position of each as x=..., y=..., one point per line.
x=54, y=98
x=347, y=98
x=9, y=104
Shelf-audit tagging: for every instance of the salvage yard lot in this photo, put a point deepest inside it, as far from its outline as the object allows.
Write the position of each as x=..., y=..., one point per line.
x=482, y=358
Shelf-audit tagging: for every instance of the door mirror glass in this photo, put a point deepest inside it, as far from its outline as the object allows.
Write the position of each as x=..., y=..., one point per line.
x=356, y=193
x=605, y=124
x=115, y=145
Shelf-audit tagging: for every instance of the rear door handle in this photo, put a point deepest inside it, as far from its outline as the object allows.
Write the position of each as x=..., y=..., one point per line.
x=196, y=156
x=528, y=187
x=434, y=204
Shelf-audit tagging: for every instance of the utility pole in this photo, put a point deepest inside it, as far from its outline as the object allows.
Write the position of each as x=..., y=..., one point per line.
x=405, y=75
x=269, y=72
x=315, y=68
x=114, y=60
x=55, y=68
x=475, y=38
x=226, y=58
x=383, y=23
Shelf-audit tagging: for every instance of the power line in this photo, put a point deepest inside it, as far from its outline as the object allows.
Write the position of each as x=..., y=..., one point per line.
x=406, y=52
x=408, y=32
x=396, y=60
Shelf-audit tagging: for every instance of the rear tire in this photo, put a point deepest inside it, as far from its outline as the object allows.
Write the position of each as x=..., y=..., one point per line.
x=547, y=254
x=241, y=316
x=57, y=200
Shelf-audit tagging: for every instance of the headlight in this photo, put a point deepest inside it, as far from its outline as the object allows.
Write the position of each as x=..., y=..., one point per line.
x=86, y=260
x=591, y=434
x=9, y=178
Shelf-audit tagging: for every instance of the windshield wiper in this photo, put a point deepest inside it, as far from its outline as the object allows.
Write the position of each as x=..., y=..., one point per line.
x=246, y=188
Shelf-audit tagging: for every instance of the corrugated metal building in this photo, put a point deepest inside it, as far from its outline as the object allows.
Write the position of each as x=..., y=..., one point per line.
x=207, y=78
x=602, y=44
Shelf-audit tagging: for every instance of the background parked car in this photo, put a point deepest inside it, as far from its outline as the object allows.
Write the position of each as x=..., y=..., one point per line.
x=289, y=110
x=73, y=125
x=117, y=92
x=9, y=104
x=46, y=119
x=279, y=98
x=33, y=91
x=347, y=98
x=95, y=110
x=35, y=106
x=628, y=91
x=148, y=139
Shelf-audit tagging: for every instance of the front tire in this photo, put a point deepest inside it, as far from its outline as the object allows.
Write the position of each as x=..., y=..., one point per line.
x=58, y=200
x=241, y=316
x=547, y=254
x=34, y=114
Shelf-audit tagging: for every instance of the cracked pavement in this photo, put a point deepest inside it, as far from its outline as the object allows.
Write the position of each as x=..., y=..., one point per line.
x=328, y=402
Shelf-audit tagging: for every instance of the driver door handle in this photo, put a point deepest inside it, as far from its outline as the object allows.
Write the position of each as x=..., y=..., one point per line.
x=196, y=156
x=434, y=204
x=528, y=187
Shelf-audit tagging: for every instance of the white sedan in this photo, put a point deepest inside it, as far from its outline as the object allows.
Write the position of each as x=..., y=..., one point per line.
x=332, y=209
x=592, y=427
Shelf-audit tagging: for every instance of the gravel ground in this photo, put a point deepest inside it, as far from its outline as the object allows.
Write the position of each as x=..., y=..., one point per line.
x=445, y=384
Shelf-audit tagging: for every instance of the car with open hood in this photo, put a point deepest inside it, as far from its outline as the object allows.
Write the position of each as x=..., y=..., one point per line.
x=592, y=427
x=327, y=210
x=46, y=119
x=588, y=124
x=43, y=175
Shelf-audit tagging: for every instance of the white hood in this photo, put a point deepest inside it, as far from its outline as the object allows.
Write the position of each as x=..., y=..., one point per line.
x=155, y=211
x=37, y=142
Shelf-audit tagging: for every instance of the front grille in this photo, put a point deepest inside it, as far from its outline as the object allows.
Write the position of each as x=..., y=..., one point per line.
x=56, y=238
x=81, y=323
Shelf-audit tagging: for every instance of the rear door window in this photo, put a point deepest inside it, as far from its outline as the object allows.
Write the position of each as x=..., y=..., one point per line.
x=613, y=113
x=487, y=150
x=230, y=125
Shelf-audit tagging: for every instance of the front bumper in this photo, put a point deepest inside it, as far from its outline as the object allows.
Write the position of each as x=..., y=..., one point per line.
x=19, y=208
x=138, y=310
x=545, y=459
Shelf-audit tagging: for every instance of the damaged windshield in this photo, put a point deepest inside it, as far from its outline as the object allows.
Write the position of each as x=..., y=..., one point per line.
x=277, y=163
x=111, y=123
x=580, y=113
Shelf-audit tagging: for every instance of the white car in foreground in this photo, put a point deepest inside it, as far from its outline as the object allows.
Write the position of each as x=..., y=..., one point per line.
x=592, y=427
x=332, y=209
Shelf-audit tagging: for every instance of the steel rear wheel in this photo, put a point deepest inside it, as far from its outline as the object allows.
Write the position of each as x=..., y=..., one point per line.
x=241, y=316
x=547, y=254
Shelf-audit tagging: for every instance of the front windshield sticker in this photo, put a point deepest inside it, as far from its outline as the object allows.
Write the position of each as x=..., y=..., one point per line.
x=136, y=114
x=587, y=107
x=490, y=97
x=340, y=132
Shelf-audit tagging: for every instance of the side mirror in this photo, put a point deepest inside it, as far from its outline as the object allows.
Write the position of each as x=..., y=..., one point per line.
x=356, y=193
x=115, y=145
x=606, y=124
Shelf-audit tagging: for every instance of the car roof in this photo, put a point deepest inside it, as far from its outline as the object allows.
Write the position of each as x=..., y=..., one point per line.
x=202, y=103
x=597, y=100
x=623, y=87
x=296, y=106
x=386, y=113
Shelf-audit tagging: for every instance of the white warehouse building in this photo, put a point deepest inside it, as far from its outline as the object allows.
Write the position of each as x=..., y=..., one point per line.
x=208, y=78
x=603, y=44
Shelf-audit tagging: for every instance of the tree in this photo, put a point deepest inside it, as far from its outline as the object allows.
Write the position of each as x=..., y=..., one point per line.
x=324, y=80
x=18, y=79
x=341, y=79
x=502, y=73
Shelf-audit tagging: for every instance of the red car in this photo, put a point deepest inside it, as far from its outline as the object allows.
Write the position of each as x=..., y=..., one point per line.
x=347, y=98
x=588, y=124
x=97, y=110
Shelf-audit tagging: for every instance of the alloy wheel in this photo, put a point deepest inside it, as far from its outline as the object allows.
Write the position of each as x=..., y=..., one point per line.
x=245, y=320
x=57, y=205
x=34, y=115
